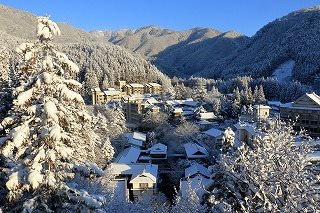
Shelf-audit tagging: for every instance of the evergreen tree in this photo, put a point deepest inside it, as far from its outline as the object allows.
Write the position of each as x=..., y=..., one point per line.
x=200, y=90
x=258, y=95
x=49, y=136
x=247, y=97
x=236, y=104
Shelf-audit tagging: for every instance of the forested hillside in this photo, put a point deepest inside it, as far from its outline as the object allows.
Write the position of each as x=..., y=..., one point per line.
x=177, y=53
x=292, y=37
x=100, y=62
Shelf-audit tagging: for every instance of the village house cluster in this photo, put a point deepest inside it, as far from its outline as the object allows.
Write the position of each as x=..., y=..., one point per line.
x=139, y=167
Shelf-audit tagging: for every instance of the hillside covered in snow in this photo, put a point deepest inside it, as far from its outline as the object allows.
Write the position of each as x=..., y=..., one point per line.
x=180, y=53
x=293, y=37
x=100, y=62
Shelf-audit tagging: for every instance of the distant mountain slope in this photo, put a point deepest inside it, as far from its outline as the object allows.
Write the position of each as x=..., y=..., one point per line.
x=177, y=53
x=103, y=61
x=19, y=23
x=293, y=37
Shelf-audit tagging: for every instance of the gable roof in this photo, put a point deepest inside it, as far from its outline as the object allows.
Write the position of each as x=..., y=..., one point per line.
x=196, y=168
x=213, y=132
x=136, y=169
x=158, y=148
x=193, y=150
x=148, y=174
x=260, y=106
x=309, y=100
x=187, y=102
x=154, y=84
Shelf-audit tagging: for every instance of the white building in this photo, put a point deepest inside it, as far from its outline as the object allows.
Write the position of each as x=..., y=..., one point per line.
x=139, y=178
x=261, y=112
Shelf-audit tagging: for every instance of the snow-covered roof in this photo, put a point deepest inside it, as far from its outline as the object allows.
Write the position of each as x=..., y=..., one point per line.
x=308, y=101
x=135, y=85
x=177, y=110
x=197, y=183
x=188, y=113
x=148, y=174
x=135, y=142
x=112, y=92
x=194, y=150
x=290, y=105
x=187, y=102
x=150, y=100
x=139, y=136
x=135, y=139
x=274, y=103
x=128, y=155
x=314, y=156
x=154, y=84
x=187, y=108
x=111, y=89
x=158, y=148
x=195, y=169
x=206, y=115
x=260, y=106
x=97, y=89
x=213, y=132
x=314, y=97
x=133, y=169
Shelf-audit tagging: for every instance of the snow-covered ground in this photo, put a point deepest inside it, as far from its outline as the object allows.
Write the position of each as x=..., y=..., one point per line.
x=284, y=71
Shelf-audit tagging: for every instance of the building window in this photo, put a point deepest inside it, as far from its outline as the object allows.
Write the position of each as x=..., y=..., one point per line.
x=143, y=185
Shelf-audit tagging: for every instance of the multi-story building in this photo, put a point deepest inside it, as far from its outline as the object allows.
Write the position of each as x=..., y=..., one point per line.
x=135, y=106
x=112, y=95
x=121, y=85
x=131, y=89
x=153, y=88
x=101, y=97
x=304, y=113
x=139, y=179
x=97, y=97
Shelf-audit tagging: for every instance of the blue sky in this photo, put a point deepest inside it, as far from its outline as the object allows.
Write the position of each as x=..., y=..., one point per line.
x=245, y=16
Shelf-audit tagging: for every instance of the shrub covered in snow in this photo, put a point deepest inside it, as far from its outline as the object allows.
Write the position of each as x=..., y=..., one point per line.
x=274, y=176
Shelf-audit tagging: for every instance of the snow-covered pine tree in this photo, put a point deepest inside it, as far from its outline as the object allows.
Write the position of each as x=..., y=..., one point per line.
x=236, y=104
x=258, y=95
x=49, y=136
x=274, y=176
x=199, y=90
x=247, y=97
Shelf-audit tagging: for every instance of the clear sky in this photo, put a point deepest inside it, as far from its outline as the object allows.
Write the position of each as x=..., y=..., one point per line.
x=245, y=16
